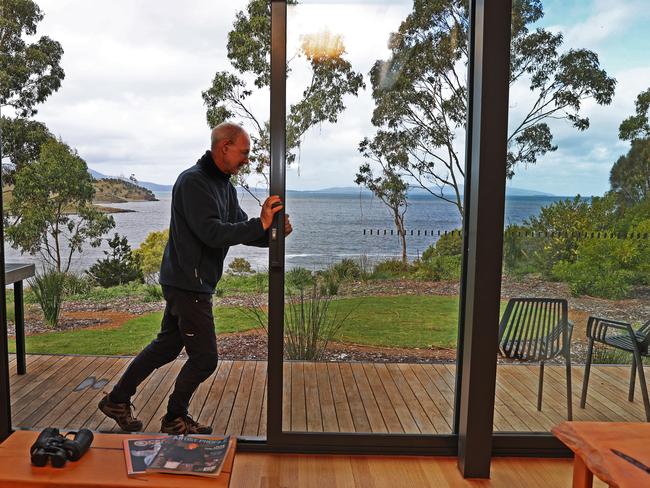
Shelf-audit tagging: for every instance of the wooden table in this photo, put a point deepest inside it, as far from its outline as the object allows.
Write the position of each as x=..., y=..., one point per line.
x=103, y=465
x=592, y=443
x=15, y=273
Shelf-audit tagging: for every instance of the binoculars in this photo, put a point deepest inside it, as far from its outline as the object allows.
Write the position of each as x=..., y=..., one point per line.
x=53, y=446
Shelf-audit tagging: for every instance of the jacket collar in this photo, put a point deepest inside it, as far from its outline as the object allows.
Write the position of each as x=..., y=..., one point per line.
x=207, y=164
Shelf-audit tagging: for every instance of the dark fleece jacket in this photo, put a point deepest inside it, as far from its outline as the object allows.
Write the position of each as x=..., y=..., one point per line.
x=206, y=220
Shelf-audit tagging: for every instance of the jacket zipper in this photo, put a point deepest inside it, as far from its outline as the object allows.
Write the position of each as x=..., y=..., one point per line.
x=196, y=270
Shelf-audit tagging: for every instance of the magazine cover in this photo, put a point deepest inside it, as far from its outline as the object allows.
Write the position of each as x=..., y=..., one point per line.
x=190, y=455
x=139, y=453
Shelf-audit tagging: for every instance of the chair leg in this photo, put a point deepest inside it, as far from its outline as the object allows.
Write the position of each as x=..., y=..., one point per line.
x=630, y=395
x=644, y=386
x=569, y=394
x=540, y=386
x=585, y=380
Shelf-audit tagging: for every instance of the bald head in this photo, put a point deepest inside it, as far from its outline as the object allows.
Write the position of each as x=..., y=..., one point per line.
x=224, y=132
x=230, y=147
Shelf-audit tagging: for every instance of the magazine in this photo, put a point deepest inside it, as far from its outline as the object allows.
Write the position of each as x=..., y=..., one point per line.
x=190, y=455
x=139, y=453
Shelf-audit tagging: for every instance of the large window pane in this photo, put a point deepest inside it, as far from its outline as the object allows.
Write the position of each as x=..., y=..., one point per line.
x=577, y=216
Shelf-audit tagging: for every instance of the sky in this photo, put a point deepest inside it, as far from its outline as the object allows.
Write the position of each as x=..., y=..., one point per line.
x=131, y=100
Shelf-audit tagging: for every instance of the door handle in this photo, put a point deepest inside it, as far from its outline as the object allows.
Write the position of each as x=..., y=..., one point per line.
x=277, y=247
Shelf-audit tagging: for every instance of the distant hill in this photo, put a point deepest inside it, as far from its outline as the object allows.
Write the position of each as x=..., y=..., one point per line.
x=154, y=187
x=347, y=190
x=115, y=190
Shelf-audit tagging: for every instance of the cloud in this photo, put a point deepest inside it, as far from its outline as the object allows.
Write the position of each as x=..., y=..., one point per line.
x=131, y=101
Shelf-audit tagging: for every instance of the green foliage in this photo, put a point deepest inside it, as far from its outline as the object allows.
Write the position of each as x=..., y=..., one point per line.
x=390, y=268
x=51, y=211
x=49, y=289
x=310, y=324
x=630, y=175
x=347, y=269
x=608, y=268
x=449, y=244
x=118, y=267
x=329, y=283
x=420, y=92
x=559, y=226
x=388, y=185
x=150, y=253
x=21, y=143
x=153, y=293
x=249, y=46
x=30, y=70
x=437, y=268
x=77, y=284
x=637, y=126
x=298, y=279
x=240, y=266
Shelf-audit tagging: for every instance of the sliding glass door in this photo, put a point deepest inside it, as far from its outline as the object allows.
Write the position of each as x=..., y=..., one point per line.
x=364, y=294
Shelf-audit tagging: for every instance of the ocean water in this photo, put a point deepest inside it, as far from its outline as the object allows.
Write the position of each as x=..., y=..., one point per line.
x=327, y=227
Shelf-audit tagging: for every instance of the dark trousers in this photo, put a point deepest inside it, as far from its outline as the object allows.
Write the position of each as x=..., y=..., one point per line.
x=188, y=322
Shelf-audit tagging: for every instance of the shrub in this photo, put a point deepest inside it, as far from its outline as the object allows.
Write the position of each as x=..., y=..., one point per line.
x=390, y=268
x=49, y=289
x=329, y=282
x=77, y=284
x=150, y=253
x=118, y=267
x=606, y=268
x=240, y=266
x=309, y=323
x=438, y=268
x=299, y=279
x=346, y=269
x=153, y=293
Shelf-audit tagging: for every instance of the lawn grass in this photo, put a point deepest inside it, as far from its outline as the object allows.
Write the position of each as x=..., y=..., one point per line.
x=399, y=321
x=127, y=339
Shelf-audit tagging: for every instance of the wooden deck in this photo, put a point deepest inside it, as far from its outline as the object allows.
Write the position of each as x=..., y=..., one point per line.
x=329, y=397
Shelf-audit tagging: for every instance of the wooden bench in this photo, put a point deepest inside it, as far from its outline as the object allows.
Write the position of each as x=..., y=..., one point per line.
x=102, y=466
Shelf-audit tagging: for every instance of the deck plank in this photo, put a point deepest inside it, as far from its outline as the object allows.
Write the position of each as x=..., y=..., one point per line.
x=255, y=403
x=373, y=412
x=390, y=416
x=242, y=399
x=359, y=416
x=312, y=400
x=224, y=410
x=59, y=395
x=329, y=397
x=341, y=405
x=206, y=416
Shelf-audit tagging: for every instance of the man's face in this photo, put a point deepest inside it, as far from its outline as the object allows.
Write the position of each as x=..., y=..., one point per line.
x=235, y=154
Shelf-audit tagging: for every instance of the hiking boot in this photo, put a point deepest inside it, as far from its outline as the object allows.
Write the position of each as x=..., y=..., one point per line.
x=121, y=413
x=182, y=426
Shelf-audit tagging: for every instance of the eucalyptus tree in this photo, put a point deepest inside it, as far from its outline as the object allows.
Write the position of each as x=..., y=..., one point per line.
x=421, y=95
x=249, y=48
x=30, y=71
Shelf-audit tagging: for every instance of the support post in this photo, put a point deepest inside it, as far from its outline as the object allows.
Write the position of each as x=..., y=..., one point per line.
x=485, y=177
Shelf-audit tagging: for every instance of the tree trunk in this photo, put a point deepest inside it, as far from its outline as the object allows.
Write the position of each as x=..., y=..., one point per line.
x=399, y=223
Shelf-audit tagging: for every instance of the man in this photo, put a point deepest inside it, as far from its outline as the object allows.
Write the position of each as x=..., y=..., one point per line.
x=206, y=220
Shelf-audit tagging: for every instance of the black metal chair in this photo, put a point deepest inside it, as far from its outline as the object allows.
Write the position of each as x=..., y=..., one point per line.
x=538, y=329
x=620, y=335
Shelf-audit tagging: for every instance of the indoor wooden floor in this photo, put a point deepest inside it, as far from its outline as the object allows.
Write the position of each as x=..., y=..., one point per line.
x=63, y=391
x=318, y=471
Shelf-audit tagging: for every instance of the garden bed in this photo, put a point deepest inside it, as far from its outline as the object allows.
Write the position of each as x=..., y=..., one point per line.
x=113, y=313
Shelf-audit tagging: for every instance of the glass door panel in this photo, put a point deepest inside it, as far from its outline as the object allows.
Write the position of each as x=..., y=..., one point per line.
x=373, y=263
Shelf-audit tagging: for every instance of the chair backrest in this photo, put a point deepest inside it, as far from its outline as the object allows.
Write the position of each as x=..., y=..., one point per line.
x=534, y=329
x=643, y=336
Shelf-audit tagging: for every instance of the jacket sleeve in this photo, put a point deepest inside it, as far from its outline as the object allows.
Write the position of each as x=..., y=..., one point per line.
x=196, y=203
x=262, y=241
